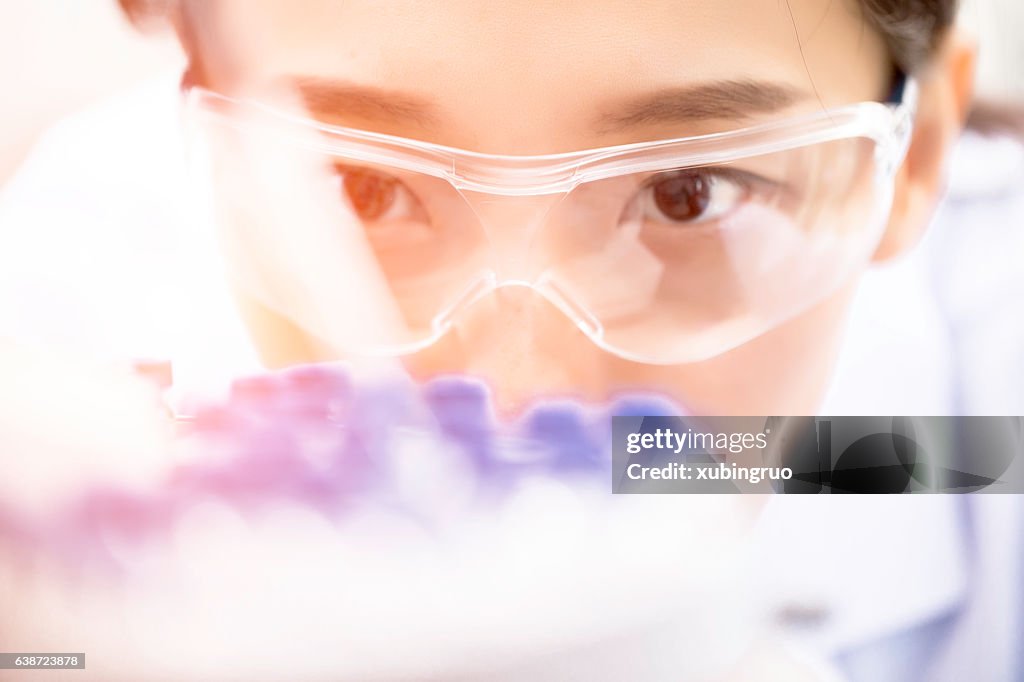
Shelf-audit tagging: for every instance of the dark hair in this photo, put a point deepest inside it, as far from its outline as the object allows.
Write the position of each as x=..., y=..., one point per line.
x=912, y=29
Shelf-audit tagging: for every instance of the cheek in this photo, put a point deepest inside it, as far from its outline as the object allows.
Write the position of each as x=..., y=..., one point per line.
x=783, y=372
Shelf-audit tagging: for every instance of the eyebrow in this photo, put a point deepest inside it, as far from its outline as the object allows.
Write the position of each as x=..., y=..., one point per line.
x=327, y=97
x=730, y=99
x=719, y=100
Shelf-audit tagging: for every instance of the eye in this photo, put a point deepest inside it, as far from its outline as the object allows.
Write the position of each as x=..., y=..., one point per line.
x=692, y=196
x=376, y=196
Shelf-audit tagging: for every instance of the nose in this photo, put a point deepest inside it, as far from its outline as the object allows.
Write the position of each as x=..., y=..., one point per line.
x=522, y=346
x=513, y=225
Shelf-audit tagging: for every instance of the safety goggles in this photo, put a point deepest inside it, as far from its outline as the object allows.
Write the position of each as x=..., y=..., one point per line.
x=661, y=252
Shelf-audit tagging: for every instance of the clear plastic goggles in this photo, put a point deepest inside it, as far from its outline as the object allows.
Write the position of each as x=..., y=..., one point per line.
x=661, y=252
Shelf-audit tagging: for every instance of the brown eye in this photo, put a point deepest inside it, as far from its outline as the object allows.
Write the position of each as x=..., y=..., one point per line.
x=695, y=197
x=683, y=197
x=371, y=194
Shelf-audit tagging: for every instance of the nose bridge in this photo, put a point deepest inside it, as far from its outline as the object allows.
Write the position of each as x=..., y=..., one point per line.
x=513, y=225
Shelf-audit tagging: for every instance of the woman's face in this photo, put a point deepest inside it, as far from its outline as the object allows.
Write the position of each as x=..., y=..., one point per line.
x=537, y=77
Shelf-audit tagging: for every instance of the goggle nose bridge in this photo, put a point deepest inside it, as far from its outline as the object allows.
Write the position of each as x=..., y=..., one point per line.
x=489, y=284
x=521, y=176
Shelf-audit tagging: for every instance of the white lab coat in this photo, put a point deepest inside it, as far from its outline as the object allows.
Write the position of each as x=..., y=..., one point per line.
x=924, y=588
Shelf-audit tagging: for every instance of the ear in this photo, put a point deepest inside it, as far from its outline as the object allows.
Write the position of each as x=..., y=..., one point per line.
x=946, y=91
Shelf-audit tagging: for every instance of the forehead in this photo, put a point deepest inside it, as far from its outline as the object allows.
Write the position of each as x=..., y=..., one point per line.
x=519, y=61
